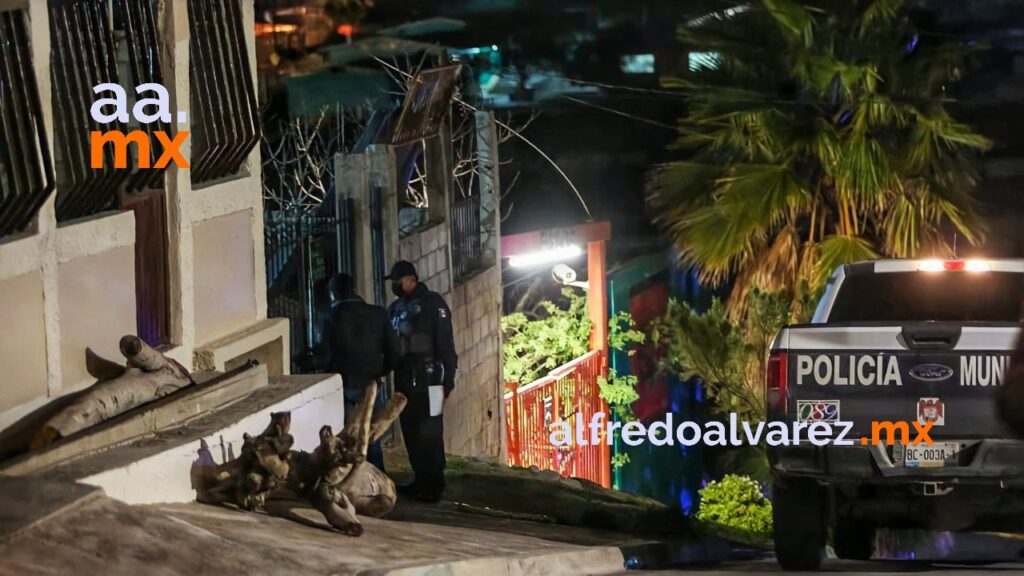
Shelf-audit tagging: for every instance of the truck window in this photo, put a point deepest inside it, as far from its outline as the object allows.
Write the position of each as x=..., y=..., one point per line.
x=924, y=296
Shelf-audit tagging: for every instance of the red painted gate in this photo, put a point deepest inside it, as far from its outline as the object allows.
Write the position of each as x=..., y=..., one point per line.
x=565, y=394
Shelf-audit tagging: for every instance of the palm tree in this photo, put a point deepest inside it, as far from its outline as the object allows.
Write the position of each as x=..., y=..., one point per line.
x=817, y=135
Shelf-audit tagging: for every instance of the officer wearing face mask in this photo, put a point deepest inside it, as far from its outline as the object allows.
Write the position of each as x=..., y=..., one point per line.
x=425, y=373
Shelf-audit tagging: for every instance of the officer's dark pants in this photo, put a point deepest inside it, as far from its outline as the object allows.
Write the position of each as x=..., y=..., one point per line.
x=424, y=441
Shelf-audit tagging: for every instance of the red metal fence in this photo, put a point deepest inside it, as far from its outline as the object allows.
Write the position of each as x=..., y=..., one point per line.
x=565, y=394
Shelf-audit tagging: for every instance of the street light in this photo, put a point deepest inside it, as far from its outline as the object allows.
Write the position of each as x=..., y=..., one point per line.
x=544, y=255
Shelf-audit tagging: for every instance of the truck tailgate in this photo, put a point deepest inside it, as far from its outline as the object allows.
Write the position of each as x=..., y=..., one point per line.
x=945, y=373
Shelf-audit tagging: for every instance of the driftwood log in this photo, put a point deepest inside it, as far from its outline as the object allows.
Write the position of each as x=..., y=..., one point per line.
x=335, y=478
x=146, y=376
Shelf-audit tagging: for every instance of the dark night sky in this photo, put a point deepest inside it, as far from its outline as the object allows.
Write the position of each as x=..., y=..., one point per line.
x=607, y=156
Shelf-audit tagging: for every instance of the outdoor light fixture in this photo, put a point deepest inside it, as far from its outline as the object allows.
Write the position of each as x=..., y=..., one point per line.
x=545, y=255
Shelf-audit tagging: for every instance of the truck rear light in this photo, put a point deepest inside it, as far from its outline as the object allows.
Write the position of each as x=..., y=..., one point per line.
x=776, y=384
x=977, y=266
x=954, y=266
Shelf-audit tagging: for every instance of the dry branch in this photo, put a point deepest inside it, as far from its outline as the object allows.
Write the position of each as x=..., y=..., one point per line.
x=146, y=376
x=335, y=478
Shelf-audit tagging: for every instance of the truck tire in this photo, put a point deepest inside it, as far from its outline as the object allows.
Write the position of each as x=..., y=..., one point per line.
x=853, y=538
x=798, y=515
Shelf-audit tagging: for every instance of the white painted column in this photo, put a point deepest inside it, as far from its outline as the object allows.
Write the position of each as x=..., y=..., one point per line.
x=39, y=22
x=174, y=37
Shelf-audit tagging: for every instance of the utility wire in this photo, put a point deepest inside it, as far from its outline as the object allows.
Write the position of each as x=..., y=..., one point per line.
x=687, y=94
x=512, y=131
x=621, y=113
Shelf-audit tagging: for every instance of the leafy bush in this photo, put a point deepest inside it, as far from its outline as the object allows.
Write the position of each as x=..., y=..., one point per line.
x=620, y=390
x=533, y=347
x=735, y=508
x=728, y=356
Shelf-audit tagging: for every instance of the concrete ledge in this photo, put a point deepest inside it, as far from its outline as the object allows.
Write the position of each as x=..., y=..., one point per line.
x=20, y=255
x=160, y=415
x=158, y=469
x=222, y=197
x=95, y=235
x=214, y=355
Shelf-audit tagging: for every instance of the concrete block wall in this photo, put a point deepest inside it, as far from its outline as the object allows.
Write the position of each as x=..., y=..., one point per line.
x=428, y=251
x=473, y=416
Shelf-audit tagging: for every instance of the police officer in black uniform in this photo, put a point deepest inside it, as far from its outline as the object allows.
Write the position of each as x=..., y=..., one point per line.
x=425, y=373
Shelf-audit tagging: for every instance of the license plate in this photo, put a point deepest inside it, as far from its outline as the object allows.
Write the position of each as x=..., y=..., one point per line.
x=934, y=455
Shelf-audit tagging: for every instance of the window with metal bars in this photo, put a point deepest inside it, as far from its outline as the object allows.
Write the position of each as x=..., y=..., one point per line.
x=93, y=42
x=26, y=173
x=225, y=122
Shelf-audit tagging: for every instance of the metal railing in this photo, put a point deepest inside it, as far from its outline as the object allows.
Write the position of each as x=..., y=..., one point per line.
x=225, y=118
x=466, y=245
x=26, y=172
x=565, y=394
x=138, y=20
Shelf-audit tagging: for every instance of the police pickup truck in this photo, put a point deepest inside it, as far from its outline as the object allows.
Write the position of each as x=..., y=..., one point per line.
x=902, y=342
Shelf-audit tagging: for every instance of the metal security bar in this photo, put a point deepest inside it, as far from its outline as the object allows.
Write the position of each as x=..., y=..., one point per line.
x=378, y=256
x=467, y=249
x=138, y=20
x=224, y=111
x=26, y=173
x=83, y=54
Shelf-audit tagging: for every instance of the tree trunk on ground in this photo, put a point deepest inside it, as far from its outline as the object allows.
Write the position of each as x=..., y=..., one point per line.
x=147, y=376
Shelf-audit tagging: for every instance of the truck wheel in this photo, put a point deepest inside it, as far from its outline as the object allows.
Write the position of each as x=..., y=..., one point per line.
x=853, y=538
x=798, y=523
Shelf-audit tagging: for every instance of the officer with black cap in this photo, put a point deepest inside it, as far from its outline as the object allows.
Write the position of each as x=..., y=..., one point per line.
x=425, y=373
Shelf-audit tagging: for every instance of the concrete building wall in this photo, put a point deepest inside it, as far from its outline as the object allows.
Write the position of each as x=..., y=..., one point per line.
x=22, y=341
x=96, y=298
x=69, y=286
x=224, y=275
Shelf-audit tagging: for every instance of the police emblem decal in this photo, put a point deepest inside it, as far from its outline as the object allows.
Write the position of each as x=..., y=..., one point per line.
x=931, y=410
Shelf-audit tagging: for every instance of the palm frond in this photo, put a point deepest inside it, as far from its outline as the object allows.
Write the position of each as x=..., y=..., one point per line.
x=878, y=13
x=821, y=138
x=836, y=250
x=794, y=20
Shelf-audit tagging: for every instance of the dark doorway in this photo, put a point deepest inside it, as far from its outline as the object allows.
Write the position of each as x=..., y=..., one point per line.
x=151, y=265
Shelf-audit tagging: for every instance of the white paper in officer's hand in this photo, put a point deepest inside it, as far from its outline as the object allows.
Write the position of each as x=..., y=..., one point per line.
x=436, y=399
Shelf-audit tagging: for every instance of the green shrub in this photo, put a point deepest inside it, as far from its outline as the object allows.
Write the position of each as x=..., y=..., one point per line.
x=734, y=508
x=532, y=347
